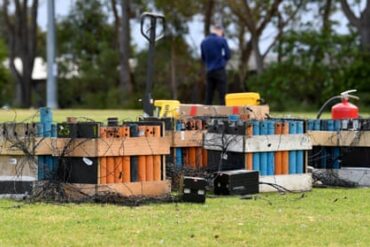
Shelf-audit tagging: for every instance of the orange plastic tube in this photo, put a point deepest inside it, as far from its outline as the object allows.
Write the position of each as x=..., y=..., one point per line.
x=278, y=155
x=110, y=161
x=157, y=158
x=249, y=156
x=192, y=150
x=199, y=152
x=102, y=162
x=186, y=157
x=285, y=154
x=192, y=157
x=142, y=159
x=126, y=169
x=149, y=158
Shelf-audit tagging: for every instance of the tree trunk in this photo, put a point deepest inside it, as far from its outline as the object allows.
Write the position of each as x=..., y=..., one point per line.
x=362, y=23
x=326, y=23
x=124, y=48
x=208, y=13
x=365, y=28
x=173, y=70
x=22, y=42
x=257, y=54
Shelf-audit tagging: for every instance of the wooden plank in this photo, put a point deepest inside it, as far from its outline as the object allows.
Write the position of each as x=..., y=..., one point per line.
x=44, y=146
x=20, y=146
x=188, y=138
x=249, y=112
x=81, y=147
x=292, y=182
x=18, y=166
x=136, y=189
x=340, y=138
x=262, y=143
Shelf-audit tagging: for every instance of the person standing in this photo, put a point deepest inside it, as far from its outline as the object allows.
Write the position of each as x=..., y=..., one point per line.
x=215, y=54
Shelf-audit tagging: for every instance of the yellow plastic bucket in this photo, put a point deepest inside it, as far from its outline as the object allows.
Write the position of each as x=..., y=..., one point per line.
x=167, y=108
x=242, y=99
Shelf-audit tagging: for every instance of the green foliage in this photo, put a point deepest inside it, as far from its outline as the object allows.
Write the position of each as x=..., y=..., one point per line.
x=314, y=67
x=187, y=70
x=5, y=81
x=87, y=40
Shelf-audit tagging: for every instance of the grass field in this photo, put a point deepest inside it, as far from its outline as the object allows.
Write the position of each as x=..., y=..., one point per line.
x=323, y=217
x=26, y=115
x=32, y=115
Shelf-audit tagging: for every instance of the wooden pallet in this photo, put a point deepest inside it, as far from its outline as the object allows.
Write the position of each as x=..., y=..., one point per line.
x=340, y=138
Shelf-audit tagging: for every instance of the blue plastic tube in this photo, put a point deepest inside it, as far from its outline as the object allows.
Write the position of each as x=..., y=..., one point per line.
x=178, y=151
x=336, y=151
x=324, y=151
x=256, y=156
x=292, y=154
x=311, y=124
x=263, y=155
x=270, y=155
x=47, y=165
x=300, y=159
x=41, y=162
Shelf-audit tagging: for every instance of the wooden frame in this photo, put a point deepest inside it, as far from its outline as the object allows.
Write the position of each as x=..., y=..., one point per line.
x=340, y=138
x=81, y=147
x=186, y=138
x=260, y=143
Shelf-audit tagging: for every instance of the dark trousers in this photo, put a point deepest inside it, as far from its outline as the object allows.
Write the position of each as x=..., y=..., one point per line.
x=216, y=80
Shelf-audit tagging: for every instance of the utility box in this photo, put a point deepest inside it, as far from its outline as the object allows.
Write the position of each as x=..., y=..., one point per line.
x=193, y=189
x=237, y=182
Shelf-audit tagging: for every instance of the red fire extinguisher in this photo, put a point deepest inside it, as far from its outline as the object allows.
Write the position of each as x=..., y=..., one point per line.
x=343, y=110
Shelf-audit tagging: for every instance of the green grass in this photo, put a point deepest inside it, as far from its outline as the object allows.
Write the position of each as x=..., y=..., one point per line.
x=26, y=115
x=323, y=217
x=23, y=115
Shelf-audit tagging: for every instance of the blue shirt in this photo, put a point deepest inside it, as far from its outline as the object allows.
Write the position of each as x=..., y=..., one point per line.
x=215, y=52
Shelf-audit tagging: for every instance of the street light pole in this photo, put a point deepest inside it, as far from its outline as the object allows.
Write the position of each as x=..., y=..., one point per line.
x=51, y=85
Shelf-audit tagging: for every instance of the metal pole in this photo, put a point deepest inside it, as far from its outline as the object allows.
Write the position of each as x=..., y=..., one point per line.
x=51, y=85
x=148, y=100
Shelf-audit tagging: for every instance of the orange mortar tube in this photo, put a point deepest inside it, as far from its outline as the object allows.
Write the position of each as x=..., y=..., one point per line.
x=249, y=156
x=102, y=162
x=111, y=164
x=149, y=158
x=142, y=159
x=118, y=172
x=157, y=158
x=192, y=150
x=278, y=155
x=199, y=153
x=126, y=169
x=285, y=154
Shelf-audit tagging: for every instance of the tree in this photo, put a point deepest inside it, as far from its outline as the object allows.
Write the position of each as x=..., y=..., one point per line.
x=22, y=42
x=122, y=25
x=361, y=23
x=87, y=43
x=178, y=14
x=253, y=17
x=5, y=90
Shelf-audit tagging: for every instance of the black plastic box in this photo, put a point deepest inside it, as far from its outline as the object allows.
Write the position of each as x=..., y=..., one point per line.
x=193, y=189
x=237, y=182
